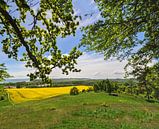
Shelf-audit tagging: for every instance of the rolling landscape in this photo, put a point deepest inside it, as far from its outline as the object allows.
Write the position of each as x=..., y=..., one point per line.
x=55, y=108
x=79, y=64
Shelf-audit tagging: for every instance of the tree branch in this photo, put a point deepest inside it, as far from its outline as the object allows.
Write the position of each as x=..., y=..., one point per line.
x=19, y=34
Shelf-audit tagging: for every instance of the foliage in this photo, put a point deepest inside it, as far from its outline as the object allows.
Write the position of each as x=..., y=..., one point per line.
x=99, y=86
x=127, y=29
x=18, y=86
x=33, y=26
x=74, y=91
x=152, y=80
x=156, y=93
x=104, y=85
x=116, y=34
x=121, y=89
x=109, y=86
x=83, y=90
x=90, y=89
x=3, y=72
x=2, y=97
x=146, y=75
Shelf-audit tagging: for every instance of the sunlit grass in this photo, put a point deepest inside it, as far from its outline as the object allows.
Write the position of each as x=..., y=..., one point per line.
x=26, y=94
x=87, y=110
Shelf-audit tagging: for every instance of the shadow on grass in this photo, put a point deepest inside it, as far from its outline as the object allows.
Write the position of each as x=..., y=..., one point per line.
x=152, y=101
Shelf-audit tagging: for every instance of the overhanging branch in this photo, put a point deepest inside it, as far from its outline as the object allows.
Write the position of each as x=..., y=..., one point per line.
x=12, y=22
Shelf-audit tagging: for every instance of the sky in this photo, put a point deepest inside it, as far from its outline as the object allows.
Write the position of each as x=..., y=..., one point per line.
x=92, y=65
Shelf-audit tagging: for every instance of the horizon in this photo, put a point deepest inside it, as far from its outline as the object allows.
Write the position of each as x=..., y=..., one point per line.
x=14, y=80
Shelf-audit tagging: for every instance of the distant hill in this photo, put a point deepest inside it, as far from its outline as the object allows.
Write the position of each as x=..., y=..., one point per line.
x=12, y=80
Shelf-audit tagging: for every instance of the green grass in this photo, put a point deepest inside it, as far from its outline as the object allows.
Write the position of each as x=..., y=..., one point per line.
x=84, y=111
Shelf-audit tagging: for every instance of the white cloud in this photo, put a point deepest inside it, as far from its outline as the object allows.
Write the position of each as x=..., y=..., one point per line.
x=119, y=72
x=19, y=74
x=92, y=2
x=19, y=70
x=153, y=62
x=76, y=11
x=94, y=66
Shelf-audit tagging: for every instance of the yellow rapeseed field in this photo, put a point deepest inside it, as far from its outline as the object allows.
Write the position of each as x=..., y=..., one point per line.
x=26, y=94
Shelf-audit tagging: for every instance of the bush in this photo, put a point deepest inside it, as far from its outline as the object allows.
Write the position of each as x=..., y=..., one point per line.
x=74, y=91
x=83, y=90
x=156, y=93
x=90, y=89
x=2, y=97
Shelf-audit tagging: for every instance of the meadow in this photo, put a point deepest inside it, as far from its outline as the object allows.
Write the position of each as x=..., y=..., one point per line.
x=26, y=94
x=84, y=111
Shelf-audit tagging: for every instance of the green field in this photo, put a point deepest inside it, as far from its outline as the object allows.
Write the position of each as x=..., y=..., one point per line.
x=84, y=111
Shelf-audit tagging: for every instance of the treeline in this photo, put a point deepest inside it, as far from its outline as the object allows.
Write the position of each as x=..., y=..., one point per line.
x=58, y=83
x=112, y=87
x=73, y=83
x=127, y=87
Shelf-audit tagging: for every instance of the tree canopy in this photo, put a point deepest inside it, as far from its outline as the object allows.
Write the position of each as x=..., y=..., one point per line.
x=127, y=29
x=33, y=27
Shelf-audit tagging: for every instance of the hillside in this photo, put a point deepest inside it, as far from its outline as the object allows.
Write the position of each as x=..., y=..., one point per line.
x=84, y=111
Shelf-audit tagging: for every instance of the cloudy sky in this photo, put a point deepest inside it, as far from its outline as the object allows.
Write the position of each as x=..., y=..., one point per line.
x=92, y=65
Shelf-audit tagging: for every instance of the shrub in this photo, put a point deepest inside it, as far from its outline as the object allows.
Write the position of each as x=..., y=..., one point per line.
x=74, y=91
x=90, y=89
x=156, y=93
x=83, y=90
x=2, y=97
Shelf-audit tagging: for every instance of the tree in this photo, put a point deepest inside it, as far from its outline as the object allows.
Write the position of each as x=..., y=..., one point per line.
x=33, y=27
x=146, y=74
x=153, y=80
x=3, y=72
x=140, y=71
x=104, y=85
x=109, y=86
x=116, y=34
x=130, y=84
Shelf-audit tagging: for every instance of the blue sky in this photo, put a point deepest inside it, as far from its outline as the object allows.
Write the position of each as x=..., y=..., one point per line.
x=92, y=65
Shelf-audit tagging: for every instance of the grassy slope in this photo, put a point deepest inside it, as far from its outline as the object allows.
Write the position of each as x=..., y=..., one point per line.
x=85, y=111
